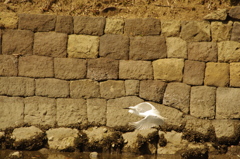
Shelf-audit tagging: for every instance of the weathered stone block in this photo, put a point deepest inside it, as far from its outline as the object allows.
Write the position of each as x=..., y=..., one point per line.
x=8, y=65
x=235, y=36
x=168, y=69
x=89, y=25
x=50, y=44
x=114, y=46
x=176, y=47
x=194, y=72
x=11, y=113
x=170, y=27
x=1, y=41
x=228, y=51
x=132, y=87
x=70, y=68
x=220, y=14
x=203, y=51
x=217, y=74
x=8, y=20
x=112, y=89
x=235, y=12
x=35, y=66
x=102, y=69
x=114, y=26
x=146, y=26
x=52, y=87
x=221, y=31
x=195, y=31
x=64, y=24
x=227, y=103
x=202, y=103
x=147, y=48
x=37, y=22
x=177, y=95
x=152, y=90
x=135, y=70
x=84, y=89
x=76, y=111
x=235, y=74
x=83, y=46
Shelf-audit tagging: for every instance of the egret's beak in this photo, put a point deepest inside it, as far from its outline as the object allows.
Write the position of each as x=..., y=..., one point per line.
x=126, y=108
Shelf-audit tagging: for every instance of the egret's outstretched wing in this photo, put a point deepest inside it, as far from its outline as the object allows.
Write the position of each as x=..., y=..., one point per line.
x=148, y=122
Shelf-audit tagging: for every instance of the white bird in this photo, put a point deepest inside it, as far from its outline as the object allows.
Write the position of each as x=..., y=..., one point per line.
x=152, y=117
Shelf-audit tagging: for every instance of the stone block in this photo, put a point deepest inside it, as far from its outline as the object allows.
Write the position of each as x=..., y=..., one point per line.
x=135, y=70
x=177, y=95
x=70, y=68
x=194, y=72
x=147, y=48
x=8, y=65
x=168, y=69
x=96, y=111
x=171, y=27
x=152, y=90
x=1, y=41
x=176, y=47
x=195, y=31
x=217, y=74
x=227, y=103
x=84, y=89
x=76, y=111
x=203, y=102
x=40, y=111
x=102, y=69
x=17, y=86
x=8, y=20
x=50, y=44
x=89, y=25
x=64, y=24
x=235, y=74
x=11, y=114
x=114, y=46
x=37, y=22
x=221, y=31
x=114, y=26
x=143, y=26
x=235, y=12
x=132, y=87
x=35, y=66
x=51, y=87
x=203, y=51
x=228, y=51
x=83, y=46
x=235, y=36
x=112, y=89
x=12, y=45
x=220, y=14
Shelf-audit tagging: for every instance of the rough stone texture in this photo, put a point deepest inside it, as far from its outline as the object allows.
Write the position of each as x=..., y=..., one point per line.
x=135, y=70
x=89, y=25
x=40, y=111
x=84, y=89
x=217, y=74
x=1, y=41
x=11, y=113
x=146, y=26
x=114, y=26
x=51, y=87
x=176, y=47
x=202, y=103
x=102, y=69
x=228, y=51
x=235, y=12
x=8, y=20
x=220, y=14
x=235, y=36
x=177, y=95
x=96, y=111
x=227, y=103
x=132, y=87
x=62, y=138
x=50, y=44
x=8, y=65
x=83, y=46
x=152, y=90
x=147, y=48
x=195, y=31
x=203, y=51
x=171, y=27
x=168, y=69
x=11, y=43
x=194, y=72
x=112, y=89
x=35, y=66
x=76, y=111
x=64, y=24
x=221, y=31
x=17, y=86
x=235, y=74
x=114, y=46
x=70, y=68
